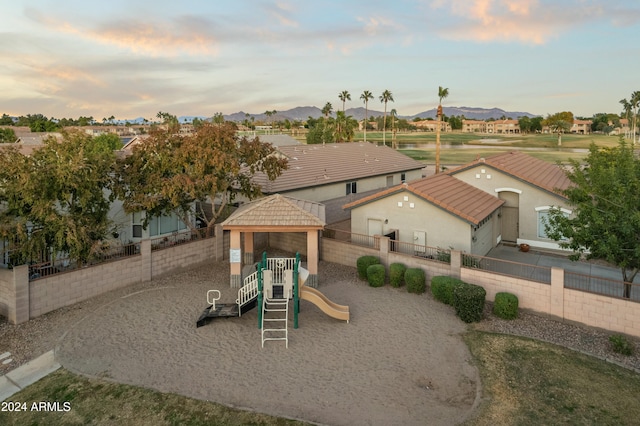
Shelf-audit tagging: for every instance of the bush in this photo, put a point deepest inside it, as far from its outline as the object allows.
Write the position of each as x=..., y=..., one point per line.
x=415, y=280
x=396, y=274
x=621, y=345
x=363, y=263
x=376, y=275
x=506, y=306
x=468, y=300
x=442, y=288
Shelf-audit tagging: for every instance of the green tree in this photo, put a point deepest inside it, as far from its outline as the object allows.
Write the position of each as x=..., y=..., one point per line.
x=6, y=120
x=394, y=115
x=54, y=200
x=605, y=222
x=386, y=97
x=110, y=140
x=176, y=174
x=442, y=93
x=559, y=123
x=7, y=135
x=366, y=97
x=169, y=120
x=345, y=127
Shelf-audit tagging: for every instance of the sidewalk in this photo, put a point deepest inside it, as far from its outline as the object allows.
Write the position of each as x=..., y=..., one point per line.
x=27, y=374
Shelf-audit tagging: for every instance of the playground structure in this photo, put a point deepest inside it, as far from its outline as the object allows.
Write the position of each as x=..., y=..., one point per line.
x=270, y=287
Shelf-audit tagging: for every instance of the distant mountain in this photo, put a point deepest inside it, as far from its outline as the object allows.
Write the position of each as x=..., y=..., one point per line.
x=474, y=113
x=302, y=113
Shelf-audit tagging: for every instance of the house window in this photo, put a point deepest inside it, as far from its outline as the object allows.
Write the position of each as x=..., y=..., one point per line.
x=351, y=188
x=165, y=225
x=543, y=218
x=403, y=177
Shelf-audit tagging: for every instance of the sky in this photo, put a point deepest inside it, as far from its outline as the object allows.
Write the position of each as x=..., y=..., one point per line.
x=134, y=58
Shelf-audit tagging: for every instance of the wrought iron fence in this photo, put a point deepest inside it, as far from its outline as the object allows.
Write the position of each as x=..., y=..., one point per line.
x=604, y=286
x=541, y=274
x=178, y=238
x=62, y=263
x=434, y=253
x=353, y=238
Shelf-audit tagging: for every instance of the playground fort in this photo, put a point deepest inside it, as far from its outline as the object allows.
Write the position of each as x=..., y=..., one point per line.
x=272, y=284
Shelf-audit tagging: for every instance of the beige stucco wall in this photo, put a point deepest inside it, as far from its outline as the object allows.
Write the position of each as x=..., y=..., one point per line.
x=530, y=198
x=335, y=190
x=443, y=229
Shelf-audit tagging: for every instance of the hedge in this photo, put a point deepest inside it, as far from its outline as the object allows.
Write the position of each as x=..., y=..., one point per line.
x=376, y=275
x=416, y=280
x=396, y=274
x=442, y=288
x=363, y=263
x=468, y=301
x=506, y=306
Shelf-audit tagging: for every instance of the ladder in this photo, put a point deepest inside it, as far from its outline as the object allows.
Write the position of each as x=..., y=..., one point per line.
x=275, y=314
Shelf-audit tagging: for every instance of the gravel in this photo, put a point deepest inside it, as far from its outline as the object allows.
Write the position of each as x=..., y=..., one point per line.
x=30, y=340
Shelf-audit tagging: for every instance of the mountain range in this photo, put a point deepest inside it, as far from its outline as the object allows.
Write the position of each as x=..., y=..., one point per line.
x=302, y=113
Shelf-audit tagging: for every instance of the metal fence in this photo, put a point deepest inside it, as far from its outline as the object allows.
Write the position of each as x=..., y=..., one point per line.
x=353, y=238
x=541, y=274
x=434, y=253
x=604, y=286
x=178, y=238
x=63, y=263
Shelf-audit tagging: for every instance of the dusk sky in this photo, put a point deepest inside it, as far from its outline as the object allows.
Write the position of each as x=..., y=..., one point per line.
x=134, y=58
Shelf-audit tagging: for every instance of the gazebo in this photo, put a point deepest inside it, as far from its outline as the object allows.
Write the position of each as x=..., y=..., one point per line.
x=275, y=213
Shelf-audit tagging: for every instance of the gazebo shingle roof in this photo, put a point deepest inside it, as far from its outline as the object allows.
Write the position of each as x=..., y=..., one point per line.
x=277, y=211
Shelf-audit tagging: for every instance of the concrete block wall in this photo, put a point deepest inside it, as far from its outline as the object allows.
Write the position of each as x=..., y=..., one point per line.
x=6, y=293
x=289, y=241
x=343, y=253
x=603, y=312
x=182, y=256
x=531, y=295
x=56, y=291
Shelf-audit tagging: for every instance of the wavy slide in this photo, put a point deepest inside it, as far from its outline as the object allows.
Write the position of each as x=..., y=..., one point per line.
x=334, y=310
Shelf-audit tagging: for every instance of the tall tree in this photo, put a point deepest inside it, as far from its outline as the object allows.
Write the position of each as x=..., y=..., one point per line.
x=442, y=93
x=605, y=222
x=326, y=111
x=386, y=96
x=393, y=113
x=627, y=110
x=559, y=123
x=54, y=200
x=344, y=96
x=635, y=103
x=177, y=174
x=366, y=96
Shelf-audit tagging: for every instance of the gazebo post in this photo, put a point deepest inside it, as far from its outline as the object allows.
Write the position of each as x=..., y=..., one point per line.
x=248, y=248
x=235, y=258
x=312, y=258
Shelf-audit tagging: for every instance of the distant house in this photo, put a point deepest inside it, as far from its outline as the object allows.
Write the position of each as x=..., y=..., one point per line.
x=335, y=174
x=432, y=125
x=503, y=198
x=581, y=127
x=437, y=211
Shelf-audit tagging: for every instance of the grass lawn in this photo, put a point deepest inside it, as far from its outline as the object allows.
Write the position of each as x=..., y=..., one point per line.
x=98, y=402
x=462, y=156
x=525, y=382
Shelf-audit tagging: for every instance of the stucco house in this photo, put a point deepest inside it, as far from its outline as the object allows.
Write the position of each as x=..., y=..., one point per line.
x=338, y=173
x=529, y=188
x=437, y=211
x=503, y=198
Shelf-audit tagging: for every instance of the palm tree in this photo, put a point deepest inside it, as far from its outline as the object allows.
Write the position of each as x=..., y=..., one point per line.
x=326, y=111
x=393, y=113
x=384, y=98
x=442, y=93
x=635, y=103
x=366, y=95
x=344, y=96
x=627, y=111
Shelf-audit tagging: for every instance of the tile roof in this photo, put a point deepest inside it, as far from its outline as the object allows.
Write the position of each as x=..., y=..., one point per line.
x=275, y=211
x=542, y=174
x=313, y=165
x=445, y=191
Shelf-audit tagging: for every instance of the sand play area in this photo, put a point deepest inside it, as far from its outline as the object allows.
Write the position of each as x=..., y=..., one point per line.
x=400, y=360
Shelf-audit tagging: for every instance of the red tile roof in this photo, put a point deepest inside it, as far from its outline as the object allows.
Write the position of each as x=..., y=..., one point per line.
x=459, y=198
x=278, y=211
x=542, y=174
x=313, y=165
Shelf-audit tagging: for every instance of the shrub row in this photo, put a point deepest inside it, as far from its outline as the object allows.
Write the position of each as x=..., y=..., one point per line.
x=370, y=269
